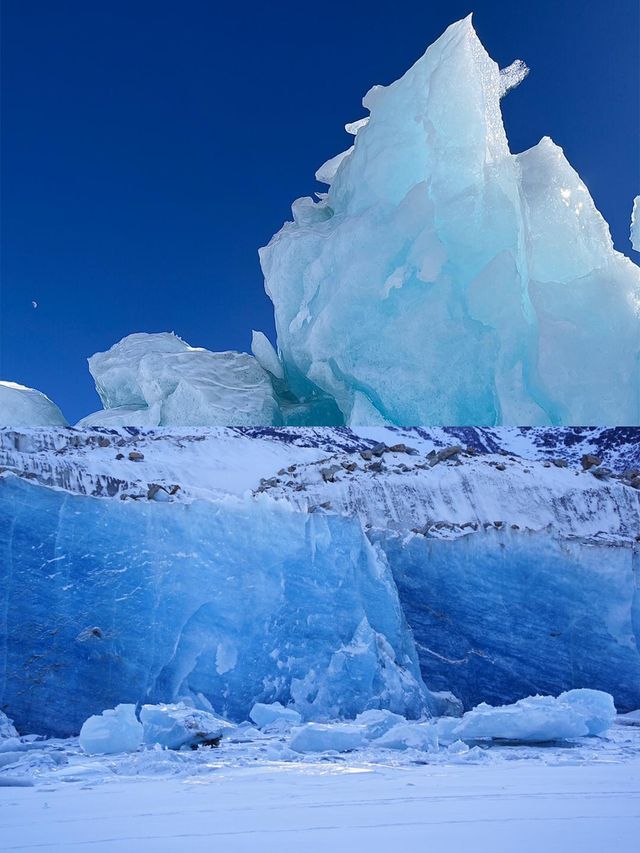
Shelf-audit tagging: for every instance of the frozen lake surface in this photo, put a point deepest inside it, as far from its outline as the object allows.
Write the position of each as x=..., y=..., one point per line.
x=258, y=794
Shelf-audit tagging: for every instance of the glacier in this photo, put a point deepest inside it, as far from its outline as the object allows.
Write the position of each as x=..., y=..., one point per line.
x=444, y=280
x=106, y=602
x=440, y=280
x=331, y=570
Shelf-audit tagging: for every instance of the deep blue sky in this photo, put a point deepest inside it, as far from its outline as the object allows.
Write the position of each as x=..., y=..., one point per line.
x=150, y=147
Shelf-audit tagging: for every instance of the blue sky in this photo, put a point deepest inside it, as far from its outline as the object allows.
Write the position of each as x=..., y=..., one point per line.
x=149, y=149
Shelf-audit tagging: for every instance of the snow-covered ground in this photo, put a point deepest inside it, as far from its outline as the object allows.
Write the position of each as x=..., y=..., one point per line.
x=259, y=795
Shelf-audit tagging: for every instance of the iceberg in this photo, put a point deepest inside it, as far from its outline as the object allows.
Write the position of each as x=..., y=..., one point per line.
x=237, y=600
x=114, y=730
x=443, y=280
x=440, y=280
x=635, y=224
x=25, y=407
x=159, y=380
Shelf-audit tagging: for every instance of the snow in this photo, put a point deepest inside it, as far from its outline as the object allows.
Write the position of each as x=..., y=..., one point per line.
x=445, y=280
x=264, y=715
x=25, y=407
x=635, y=224
x=158, y=380
x=114, y=730
x=254, y=791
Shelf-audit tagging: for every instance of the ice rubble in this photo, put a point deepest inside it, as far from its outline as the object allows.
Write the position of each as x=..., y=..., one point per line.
x=576, y=713
x=21, y=406
x=443, y=280
x=240, y=601
x=268, y=714
x=536, y=719
x=114, y=730
x=177, y=726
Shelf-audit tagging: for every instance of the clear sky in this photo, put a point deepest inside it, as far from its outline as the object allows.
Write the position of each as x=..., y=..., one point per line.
x=150, y=147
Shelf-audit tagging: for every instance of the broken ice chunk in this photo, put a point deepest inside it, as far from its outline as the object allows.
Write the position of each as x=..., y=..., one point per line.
x=115, y=730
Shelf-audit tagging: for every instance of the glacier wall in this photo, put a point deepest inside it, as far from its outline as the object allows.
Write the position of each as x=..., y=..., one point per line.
x=287, y=564
x=104, y=601
x=501, y=615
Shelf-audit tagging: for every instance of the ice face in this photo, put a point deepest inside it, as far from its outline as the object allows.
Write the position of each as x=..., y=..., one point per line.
x=503, y=614
x=443, y=280
x=7, y=729
x=21, y=407
x=159, y=380
x=242, y=601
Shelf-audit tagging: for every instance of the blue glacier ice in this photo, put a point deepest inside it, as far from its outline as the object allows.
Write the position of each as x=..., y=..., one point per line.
x=22, y=406
x=264, y=715
x=159, y=380
x=635, y=224
x=505, y=614
x=444, y=280
x=294, y=566
x=575, y=713
x=105, y=602
x=179, y=726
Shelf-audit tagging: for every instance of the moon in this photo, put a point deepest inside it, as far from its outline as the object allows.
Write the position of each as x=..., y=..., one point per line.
x=34, y=304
